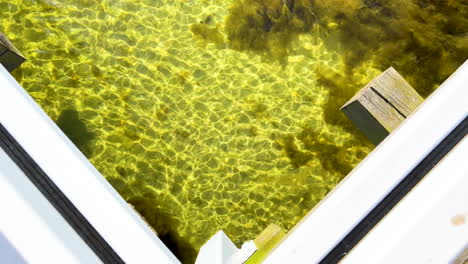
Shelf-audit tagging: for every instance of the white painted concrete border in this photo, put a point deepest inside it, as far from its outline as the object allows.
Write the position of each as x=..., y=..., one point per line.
x=218, y=249
x=75, y=176
x=377, y=175
x=430, y=225
x=36, y=232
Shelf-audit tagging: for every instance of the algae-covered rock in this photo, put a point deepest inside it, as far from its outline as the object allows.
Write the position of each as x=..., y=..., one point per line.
x=267, y=26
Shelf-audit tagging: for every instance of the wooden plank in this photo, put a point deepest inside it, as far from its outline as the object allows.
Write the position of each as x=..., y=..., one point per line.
x=381, y=106
x=265, y=242
x=392, y=86
x=3, y=48
x=383, y=112
x=10, y=57
x=365, y=121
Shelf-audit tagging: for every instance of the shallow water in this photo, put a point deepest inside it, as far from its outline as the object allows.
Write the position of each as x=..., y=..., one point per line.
x=209, y=115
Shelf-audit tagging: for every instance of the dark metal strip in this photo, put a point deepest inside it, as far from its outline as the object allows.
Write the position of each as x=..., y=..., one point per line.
x=57, y=198
x=396, y=195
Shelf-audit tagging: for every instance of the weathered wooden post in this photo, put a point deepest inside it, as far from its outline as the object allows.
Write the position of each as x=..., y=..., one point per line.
x=379, y=107
x=10, y=57
x=265, y=242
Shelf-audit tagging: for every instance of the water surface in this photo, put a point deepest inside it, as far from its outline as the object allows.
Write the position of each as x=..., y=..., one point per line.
x=209, y=115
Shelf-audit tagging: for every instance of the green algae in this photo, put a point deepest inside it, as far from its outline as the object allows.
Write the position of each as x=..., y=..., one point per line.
x=76, y=129
x=407, y=38
x=208, y=115
x=297, y=157
x=208, y=33
x=267, y=26
x=166, y=223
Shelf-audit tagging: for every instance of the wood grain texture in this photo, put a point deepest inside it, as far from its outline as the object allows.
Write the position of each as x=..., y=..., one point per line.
x=383, y=103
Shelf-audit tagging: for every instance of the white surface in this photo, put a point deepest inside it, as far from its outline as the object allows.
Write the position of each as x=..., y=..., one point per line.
x=9, y=253
x=246, y=251
x=427, y=226
x=31, y=230
x=86, y=188
x=217, y=250
x=243, y=254
x=377, y=175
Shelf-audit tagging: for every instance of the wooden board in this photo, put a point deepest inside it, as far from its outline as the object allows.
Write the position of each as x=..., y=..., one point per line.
x=10, y=57
x=382, y=105
x=265, y=242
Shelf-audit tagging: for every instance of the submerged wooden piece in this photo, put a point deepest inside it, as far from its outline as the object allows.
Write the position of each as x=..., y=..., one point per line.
x=10, y=57
x=381, y=106
x=265, y=242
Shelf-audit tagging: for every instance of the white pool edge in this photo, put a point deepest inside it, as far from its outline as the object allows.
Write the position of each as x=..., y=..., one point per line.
x=430, y=225
x=29, y=222
x=346, y=205
x=77, y=178
x=308, y=242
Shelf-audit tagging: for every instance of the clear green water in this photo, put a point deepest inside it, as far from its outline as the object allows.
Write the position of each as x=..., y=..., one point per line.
x=209, y=115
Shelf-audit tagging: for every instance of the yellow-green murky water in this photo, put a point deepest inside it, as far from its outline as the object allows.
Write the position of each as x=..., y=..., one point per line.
x=209, y=115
